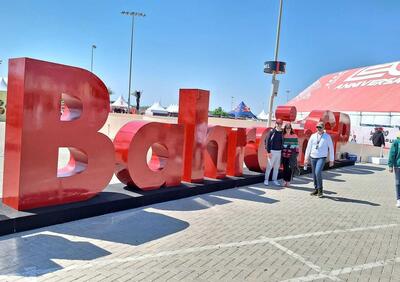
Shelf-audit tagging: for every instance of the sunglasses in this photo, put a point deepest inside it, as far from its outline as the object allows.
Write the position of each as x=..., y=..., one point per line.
x=319, y=127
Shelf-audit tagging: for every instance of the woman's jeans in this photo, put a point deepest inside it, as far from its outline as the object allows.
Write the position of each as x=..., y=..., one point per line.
x=397, y=177
x=317, y=165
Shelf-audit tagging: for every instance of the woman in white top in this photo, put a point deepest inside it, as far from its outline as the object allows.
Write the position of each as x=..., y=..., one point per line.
x=318, y=148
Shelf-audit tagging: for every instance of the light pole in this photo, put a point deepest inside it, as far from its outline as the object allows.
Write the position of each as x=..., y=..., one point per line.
x=287, y=95
x=133, y=15
x=91, y=63
x=275, y=82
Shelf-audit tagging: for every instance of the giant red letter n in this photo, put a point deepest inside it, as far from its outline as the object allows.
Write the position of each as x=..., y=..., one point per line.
x=35, y=131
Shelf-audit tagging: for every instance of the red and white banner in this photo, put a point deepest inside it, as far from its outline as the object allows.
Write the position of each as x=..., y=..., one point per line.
x=363, y=134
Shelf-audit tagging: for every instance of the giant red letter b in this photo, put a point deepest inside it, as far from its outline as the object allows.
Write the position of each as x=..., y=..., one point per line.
x=36, y=129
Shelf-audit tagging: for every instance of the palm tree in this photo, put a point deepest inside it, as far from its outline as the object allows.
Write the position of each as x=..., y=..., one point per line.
x=137, y=94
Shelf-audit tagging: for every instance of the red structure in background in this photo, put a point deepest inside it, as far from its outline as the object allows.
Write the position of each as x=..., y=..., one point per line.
x=187, y=151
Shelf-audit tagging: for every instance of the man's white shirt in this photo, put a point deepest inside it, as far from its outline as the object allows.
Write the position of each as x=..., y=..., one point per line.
x=319, y=146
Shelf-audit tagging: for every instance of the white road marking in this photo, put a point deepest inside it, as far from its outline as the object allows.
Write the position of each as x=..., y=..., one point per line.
x=303, y=260
x=80, y=264
x=290, y=237
x=345, y=270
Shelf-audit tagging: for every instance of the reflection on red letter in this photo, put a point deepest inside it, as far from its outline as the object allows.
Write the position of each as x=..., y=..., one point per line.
x=341, y=132
x=255, y=154
x=215, y=153
x=236, y=143
x=35, y=131
x=193, y=114
x=327, y=117
x=132, y=143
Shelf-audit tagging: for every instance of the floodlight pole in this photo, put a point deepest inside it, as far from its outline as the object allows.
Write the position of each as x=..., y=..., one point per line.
x=91, y=63
x=274, y=82
x=133, y=15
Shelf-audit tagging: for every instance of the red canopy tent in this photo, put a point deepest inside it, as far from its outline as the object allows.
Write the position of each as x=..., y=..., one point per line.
x=367, y=89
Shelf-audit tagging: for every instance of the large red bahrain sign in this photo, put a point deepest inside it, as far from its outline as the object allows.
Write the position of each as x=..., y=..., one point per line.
x=187, y=151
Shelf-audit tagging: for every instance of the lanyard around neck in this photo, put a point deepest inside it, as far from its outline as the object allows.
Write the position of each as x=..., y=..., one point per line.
x=320, y=137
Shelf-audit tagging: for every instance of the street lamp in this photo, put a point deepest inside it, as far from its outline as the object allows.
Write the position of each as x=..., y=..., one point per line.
x=91, y=64
x=275, y=67
x=133, y=15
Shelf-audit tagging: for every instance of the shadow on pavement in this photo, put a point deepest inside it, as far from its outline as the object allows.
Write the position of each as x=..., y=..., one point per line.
x=334, y=175
x=360, y=169
x=134, y=227
x=327, y=176
x=193, y=204
x=348, y=200
x=209, y=200
x=307, y=189
x=32, y=255
x=16, y=257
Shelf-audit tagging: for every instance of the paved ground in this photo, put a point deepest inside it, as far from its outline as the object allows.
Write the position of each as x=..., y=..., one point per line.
x=246, y=234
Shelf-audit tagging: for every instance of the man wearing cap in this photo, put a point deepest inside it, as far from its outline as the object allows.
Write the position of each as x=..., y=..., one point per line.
x=318, y=148
x=274, y=146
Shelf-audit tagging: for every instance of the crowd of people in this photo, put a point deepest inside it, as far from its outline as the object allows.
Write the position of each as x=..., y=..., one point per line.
x=282, y=147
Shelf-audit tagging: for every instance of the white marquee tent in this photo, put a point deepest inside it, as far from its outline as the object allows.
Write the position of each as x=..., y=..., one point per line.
x=3, y=84
x=120, y=103
x=156, y=110
x=262, y=115
x=173, y=109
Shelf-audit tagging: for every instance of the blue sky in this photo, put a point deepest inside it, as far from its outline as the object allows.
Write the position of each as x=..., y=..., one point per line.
x=219, y=45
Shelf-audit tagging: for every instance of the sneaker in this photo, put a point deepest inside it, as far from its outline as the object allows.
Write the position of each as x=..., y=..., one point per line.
x=287, y=184
x=314, y=193
x=320, y=195
x=398, y=204
x=284, y=184
x=276, y=183
x=266, y=183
